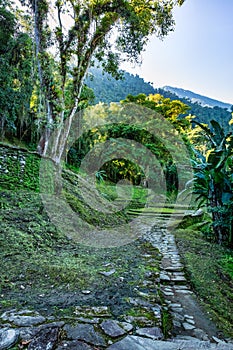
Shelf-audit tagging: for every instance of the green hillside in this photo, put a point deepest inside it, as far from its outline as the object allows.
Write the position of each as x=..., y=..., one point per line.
x=108, y=89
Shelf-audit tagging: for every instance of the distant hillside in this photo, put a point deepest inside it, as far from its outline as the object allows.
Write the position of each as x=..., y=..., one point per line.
x=108, y=89
x=193, y=97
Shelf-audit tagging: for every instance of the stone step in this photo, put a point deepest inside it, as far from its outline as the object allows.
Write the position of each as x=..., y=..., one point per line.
x=140, y=343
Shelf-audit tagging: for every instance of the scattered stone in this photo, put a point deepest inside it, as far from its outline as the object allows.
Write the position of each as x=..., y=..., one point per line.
x=164, y=277
x=107, y=273
x=28, y=333
x=177, y=317
x=140, y=321
x=188, y=316
x=99, y=311
x=174, y=268
x=88, y=320
x=188, y=326
x=46, y=339
x=112, y=328
x=182, y=287
x=176, y=323
x=128, y=327
x=178, y=278
x=8, y=338
x=85, y=332
x=168, y=293
x=177, y=309
x=190, y=321
x=200, y=334
x=24, y=318
x=154, y=332
x=184, y=291
x=218, y=341
x=172, y=305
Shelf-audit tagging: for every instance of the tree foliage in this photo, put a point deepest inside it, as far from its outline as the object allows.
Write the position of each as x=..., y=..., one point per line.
x=82, y=32
x=15, y=74
x=214, y=180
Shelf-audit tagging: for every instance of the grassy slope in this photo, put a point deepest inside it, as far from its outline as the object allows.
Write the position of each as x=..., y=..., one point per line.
x=42, y=268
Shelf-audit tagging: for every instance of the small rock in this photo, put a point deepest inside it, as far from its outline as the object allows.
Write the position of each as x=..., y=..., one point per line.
x=107, y=273
x=46, y=339
x=86, y=292
x=177, y=316
x=188, y=326
x=24, y=318
x=190, y=321
x=217, y=340
x=174, y=268
x=98, y=311
x=178, y=279
x=164, y=277
x=85, y=332
x=88, y=320
x=177, y=309
x=112, y=328
x=128, y=327
x=172, y=305
x=200, y=334
x=154, y=332
x=168, y=293
x=176, y=323
x=8, y=338
x=188, y=316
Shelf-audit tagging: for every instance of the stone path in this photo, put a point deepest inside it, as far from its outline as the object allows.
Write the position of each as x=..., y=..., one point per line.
x=188, y=318
x=94, y=328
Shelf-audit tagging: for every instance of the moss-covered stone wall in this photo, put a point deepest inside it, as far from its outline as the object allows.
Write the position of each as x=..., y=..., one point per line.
x=19, y=168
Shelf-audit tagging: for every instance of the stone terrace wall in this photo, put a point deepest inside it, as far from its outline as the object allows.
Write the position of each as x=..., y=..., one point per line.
x=19, y=168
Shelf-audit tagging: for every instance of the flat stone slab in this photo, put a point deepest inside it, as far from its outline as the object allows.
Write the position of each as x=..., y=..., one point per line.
x=24, y=318
x=154, y=332
x=164, y=277
x=187, y=326
x=139, y=343
x=46, y=339
x=8, y=338
x=85, y=332
x=95, y=311
x=74, y=345
x=174, y=268
x=111, y=328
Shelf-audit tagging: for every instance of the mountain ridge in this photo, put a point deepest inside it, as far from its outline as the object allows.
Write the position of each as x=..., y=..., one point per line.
x=194, y=97
x=107, y=90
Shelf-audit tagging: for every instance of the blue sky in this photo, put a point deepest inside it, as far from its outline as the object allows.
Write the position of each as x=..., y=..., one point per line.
x=198, y=55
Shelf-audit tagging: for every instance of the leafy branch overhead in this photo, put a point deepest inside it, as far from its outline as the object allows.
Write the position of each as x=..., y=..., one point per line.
x=72, y=35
